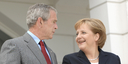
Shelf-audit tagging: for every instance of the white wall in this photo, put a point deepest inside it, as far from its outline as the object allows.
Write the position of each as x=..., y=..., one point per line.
x=113, y=13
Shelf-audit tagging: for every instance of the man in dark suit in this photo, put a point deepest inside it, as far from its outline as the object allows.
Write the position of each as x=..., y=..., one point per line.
x=27, y=49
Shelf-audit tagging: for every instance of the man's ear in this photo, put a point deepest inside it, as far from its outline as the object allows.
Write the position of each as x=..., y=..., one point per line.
x=97, y=36
x=39, y=21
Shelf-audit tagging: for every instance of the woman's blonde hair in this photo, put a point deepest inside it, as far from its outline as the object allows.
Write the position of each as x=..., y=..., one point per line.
x=96, y=26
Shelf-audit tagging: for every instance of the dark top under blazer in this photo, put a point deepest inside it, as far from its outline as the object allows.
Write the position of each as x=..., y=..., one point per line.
x=80, y=58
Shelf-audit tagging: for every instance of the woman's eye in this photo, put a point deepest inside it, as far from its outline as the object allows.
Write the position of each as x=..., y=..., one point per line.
x=76, y=34
x=83, y=32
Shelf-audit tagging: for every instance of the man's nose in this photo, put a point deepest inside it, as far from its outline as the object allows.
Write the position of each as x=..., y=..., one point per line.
x=56, y=27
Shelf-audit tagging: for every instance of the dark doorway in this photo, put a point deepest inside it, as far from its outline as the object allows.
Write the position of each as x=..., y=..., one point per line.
x=3, y=37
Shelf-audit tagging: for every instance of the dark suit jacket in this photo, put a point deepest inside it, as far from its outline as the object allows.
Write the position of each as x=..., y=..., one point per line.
x=23, y=50
x=80, y=58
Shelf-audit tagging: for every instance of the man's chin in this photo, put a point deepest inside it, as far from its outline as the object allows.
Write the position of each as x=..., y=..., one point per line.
x=51, y=37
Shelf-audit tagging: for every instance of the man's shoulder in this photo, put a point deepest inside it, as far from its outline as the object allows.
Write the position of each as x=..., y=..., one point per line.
x=16, y=39
x=13, y=40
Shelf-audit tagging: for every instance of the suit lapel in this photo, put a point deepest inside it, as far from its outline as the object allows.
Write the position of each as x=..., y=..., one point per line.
x=34, y=48
x=53, y=58
x=51, y=55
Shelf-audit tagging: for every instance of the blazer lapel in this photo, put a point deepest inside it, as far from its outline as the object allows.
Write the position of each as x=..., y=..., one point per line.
x=34, y=48
x=102, y=57
x=83, y=57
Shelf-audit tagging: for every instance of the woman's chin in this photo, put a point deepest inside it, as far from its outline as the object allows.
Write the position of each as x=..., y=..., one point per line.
x=81, y=47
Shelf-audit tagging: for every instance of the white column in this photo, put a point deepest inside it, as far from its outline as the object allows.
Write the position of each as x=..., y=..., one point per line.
x=113, y=13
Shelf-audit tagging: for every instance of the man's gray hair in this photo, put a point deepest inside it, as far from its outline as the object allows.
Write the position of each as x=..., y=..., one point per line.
x=36, y=11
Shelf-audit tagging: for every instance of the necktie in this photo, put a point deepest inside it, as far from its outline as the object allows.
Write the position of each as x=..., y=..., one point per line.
x=44, y=52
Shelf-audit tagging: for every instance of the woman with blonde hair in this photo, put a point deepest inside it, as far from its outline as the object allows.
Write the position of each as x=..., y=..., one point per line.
x=91, y=37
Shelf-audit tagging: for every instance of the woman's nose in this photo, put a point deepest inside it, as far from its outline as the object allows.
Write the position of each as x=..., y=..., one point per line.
x=79, y=36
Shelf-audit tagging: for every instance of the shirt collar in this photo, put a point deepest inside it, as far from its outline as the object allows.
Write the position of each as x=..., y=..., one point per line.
x=36, y=39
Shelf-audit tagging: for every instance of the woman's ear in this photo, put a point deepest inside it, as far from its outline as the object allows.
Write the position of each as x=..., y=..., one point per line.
x=97, y=35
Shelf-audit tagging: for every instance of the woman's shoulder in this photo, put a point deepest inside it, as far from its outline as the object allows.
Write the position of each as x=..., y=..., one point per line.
x=110, y=57
x=75, y=54
x=73, y=58
x=71, y=54
x=110, y=54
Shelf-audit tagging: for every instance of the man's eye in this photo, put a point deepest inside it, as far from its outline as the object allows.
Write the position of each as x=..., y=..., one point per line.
x=54, y=21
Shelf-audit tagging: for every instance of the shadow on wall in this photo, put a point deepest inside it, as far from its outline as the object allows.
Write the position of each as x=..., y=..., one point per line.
x=11, y=24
